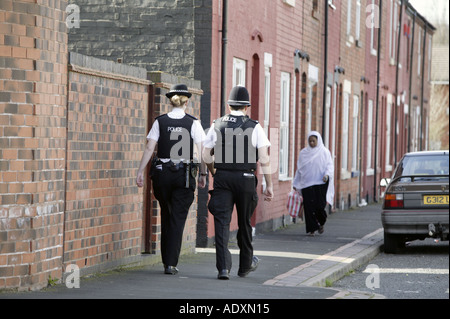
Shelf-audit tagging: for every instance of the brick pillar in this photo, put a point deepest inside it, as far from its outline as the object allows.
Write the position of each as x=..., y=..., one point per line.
x=33, y=95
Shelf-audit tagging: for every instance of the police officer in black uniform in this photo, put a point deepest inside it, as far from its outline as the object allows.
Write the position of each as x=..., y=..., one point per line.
x=174, y=171
x=233, y=146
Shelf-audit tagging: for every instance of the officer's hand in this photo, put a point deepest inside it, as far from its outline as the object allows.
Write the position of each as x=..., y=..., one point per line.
x=201, y=181
x=268, y=193
x=140, y=180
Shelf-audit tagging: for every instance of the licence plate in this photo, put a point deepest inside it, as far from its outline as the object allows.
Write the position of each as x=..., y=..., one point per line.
x=435, y=200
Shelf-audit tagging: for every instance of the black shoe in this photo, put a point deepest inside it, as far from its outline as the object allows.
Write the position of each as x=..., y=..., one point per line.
x=224, y=275
x=255, y=262
x=170, y=270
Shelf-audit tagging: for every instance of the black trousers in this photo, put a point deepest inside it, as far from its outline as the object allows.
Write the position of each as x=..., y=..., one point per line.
x=233, y=188
x=314, y=203
x=175, y=200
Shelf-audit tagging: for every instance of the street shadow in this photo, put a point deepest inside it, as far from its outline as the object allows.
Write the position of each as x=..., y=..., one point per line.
x=428, y=246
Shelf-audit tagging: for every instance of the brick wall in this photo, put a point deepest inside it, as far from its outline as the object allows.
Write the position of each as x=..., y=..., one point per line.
x=71, y=139
x=106, y=129
x=33, y=92
x=130, y=29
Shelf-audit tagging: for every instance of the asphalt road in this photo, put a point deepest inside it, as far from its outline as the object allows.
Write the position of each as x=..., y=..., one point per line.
x=420, y=271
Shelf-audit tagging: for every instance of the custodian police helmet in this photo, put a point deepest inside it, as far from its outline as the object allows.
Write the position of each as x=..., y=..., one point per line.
x=239, y=97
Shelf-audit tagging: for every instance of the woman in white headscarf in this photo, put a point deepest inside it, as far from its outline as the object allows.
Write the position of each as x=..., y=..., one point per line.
x=314, y=180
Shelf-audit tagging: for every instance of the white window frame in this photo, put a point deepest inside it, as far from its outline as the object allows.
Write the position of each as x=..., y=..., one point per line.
x=388, y=136
x=355, y=133
x=239, y=72
x=358, y=21
x=349, y=19
x=333, y=136
x=326, y=138
x=369, y=168
x=416, y=134
x=345, y=126
x=309, y=107
x=392, y=22
x=267, y=100
x=284, y=125
x=373, y=25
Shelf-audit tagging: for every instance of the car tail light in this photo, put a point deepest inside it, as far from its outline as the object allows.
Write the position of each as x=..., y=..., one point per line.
x=393, y=201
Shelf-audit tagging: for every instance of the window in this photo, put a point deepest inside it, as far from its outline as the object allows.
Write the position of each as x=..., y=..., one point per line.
x=333, y=121
x=417, y=129
x=373, y=22
x=369, y=137
x=309, y=108
x=355, y=133
x=388, y=136
x=430, y=42
x=349, y=17
x=358, y=22
x=284, y=125
x=345, y=115
x=326, y=138
x=393, y=30
x=419, y=53
x=239, y=68
x=267, y=100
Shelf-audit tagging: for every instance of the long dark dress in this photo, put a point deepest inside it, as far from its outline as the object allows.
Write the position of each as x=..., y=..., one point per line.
x=314, y=203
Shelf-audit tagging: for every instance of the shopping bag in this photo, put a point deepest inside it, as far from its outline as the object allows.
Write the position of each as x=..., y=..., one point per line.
x=294, y=204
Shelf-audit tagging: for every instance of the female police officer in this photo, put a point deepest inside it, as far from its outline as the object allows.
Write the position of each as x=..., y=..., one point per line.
x=173, y=171
x=233, y=145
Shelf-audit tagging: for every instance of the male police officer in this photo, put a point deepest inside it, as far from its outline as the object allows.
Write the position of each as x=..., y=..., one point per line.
x=173, y=171
x=232, y=148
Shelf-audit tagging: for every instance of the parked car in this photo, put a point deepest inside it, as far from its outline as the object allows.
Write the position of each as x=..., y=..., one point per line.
x=416, y=200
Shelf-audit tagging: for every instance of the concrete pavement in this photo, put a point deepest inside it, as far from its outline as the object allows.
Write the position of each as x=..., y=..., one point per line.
x=293, y=265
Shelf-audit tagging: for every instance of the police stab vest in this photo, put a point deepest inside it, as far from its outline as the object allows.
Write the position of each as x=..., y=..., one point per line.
x=234, y=149
x=175, y=140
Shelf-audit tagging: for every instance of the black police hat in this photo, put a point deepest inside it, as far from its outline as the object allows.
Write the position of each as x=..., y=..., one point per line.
x=239, y=97
x=179, y=89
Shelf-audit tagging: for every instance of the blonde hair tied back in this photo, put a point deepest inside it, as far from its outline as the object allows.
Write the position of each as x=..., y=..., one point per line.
x=179, y=100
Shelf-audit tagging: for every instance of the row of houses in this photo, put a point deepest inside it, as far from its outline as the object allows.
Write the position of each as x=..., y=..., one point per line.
x=356, y=70
x=73, y=125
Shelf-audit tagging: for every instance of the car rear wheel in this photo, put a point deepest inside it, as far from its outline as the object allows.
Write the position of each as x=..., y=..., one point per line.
x=393, y=243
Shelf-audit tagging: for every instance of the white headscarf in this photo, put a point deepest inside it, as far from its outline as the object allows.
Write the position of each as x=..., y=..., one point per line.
x=313, y=164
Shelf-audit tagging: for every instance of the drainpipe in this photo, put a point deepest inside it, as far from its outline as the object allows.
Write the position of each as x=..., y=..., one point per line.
x=396, y=83
x=377, y=104
x=223, y=88
x=423, y=85
x=410, y=80
x=325, y=71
